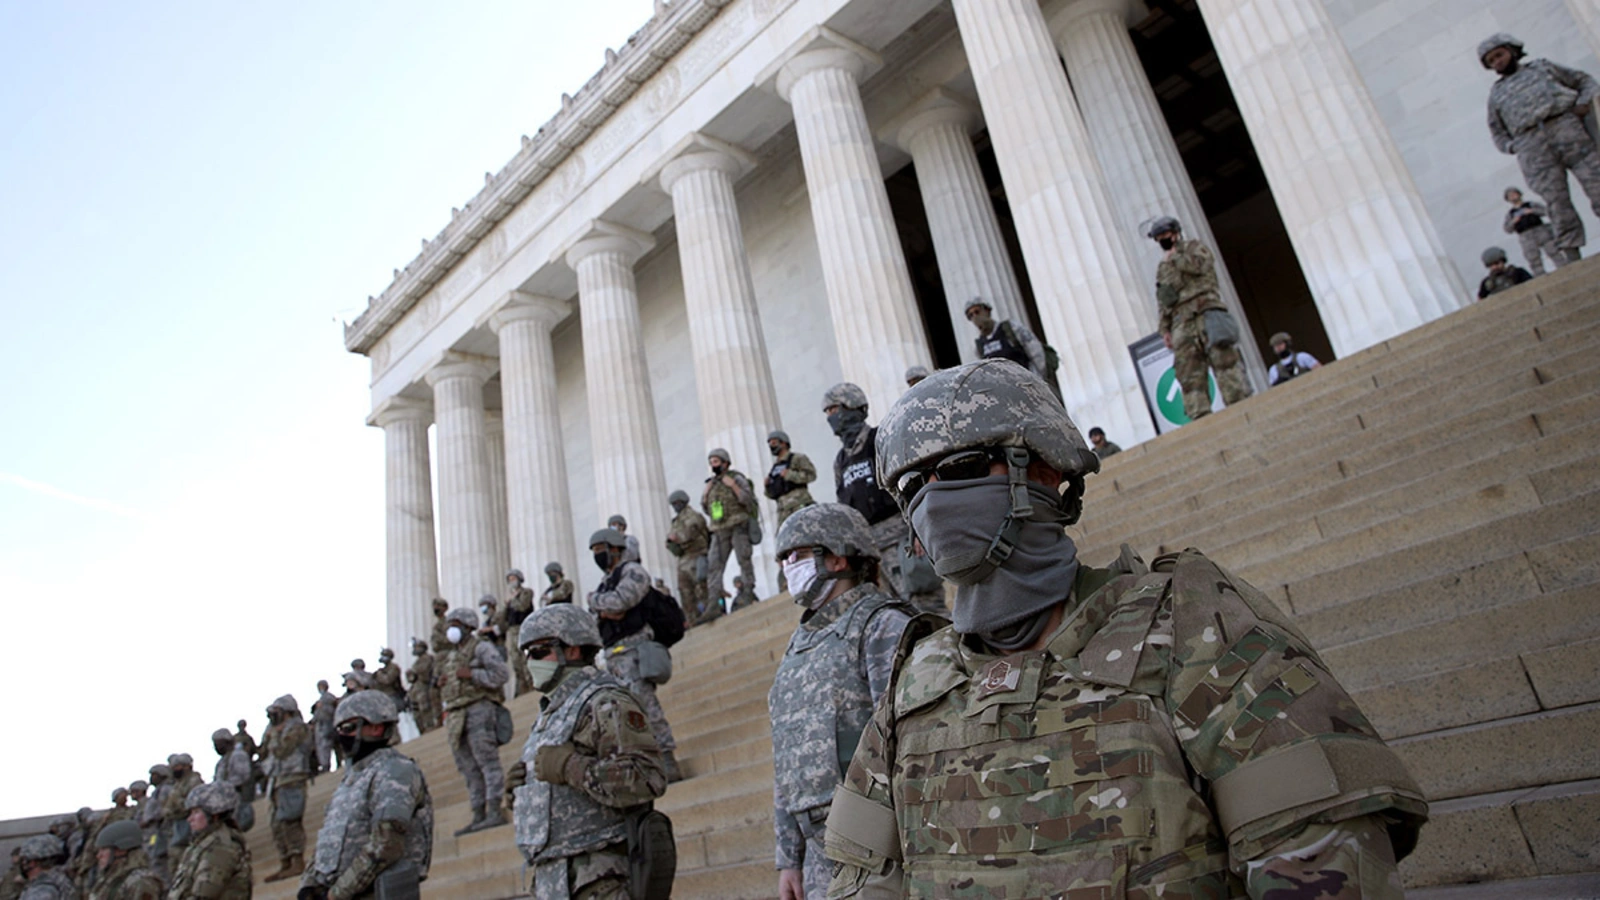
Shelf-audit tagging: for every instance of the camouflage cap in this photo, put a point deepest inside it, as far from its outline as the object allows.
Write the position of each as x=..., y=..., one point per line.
x=778, y=434
x=916, y=374
x=677, y=497
x=215, y=798
x=139, y=785
x=462, y=615
x=286, y=703
x=845, y=394
x=161, y=769
x=1162, y=225
x=373, y=707
x=608, y=536
x=180, y=759
x=1498, y=39
x=839, y=528
x=553, y=568
x=222, y=736
x=1494, y=255
x=566, y=622
x=720, y=453
x=120, y=835
x=989, y=403
x=42, y=847
x=516, y=573
x=617, y=519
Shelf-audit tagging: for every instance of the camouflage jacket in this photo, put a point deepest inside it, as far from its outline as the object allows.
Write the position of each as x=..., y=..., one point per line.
x=283, y=748
x=322, y=712
x=11, y=882
x=235, y=769
x=389, y=680
x=722, y=504
x=439, y=641
x=149, y=812
x=1177, y=736
x=518, y=606
x=423, y=666
x=51, y=884
x=560, y=592
x=215, y=867
x=380, y=813
x=1536, y=91
x=488, y=674
x=631, y=583
x=787, y=480
x=243, y=739
x=836, y=667
x=174, y=806
x=1186, y=283
x=615, y=767
x=128, y=879
x=690, y=533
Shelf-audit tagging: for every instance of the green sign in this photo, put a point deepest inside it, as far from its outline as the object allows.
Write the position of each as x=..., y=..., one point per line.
x=1169, y=396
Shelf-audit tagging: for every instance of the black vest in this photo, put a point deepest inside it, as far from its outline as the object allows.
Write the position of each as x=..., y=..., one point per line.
x=858, y=482
x=1002, y=343
x=776, y=485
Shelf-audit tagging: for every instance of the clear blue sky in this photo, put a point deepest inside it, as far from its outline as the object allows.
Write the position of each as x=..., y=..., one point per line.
x=195, y=196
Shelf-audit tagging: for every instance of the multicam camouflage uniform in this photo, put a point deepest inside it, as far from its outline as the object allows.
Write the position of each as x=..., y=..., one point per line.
x=471, y=709
x=621, y=591
x=128, y=877
x=389, y=679
x=561, y=588
x=322, y=727
x=1186, y=286
x=688, y=540
x=424, y=699
x=787, y=480
x=728, y=518
x=149, y=818
x=52, y=883
x=600, y=763
x=217, y=864
x=173, y=811
x=439, y=642
x=518, y=607
x=284, y=747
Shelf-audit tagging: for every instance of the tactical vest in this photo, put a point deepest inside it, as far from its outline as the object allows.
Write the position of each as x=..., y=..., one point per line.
x=378, y=779
x=51, y=883
x=296, y=766
x=584, y=825
x=820, y=702
x=459, y=693
x=858, y=481
x=723, y=509
x=236, y=887
x=1287, y=368
x=1528, y=222
x=777, y=485
x=1002, y=343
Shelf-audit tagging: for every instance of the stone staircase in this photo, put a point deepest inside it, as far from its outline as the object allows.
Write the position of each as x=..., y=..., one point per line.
x=1428, y=510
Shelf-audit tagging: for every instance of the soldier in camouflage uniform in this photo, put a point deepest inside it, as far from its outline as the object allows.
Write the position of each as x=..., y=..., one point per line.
x=592, y=760
x=835, y=669
x=788, y=477
x=217, y=864
x=688, y=539
x=519, y=604
x=623, y=588
x=11, y=883
x=631, y=550
x=439, y=642
x=86, y=870
x=1502, y=275
x=561, y=588
x=1537, y=111
x=379, y=822
x=149, y=818
x=173, y=812
x=40, y=859
x=234, y=767
x=388, y=678
x=471, y=679
x=729, y=502
x=1004, y=339
x=120, y=869
x=915, y=374
x=322, y=725
x=287, y=752
x=1526, y=220
x=1186, y=289
x=422, y=696
x=1095, y=732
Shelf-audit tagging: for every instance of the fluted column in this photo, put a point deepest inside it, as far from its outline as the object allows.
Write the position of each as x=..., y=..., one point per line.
x=1142, y=166
x=738, y=405
x=469, y=557
x=966, y=234
x=1092, y=297
x=1587, y=14
x=876, y=322
x=1374, y=262
x=538, y=505
x=410, y=567
x=494, y=430
x=628, y=474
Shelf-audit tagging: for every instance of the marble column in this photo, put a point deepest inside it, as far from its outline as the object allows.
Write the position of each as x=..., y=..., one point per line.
x=1587, y=14
x=966, y=234
x=1371, y=255
x=876, y=321
x=738, y=404
x=628, y=475
x=538, y=505
x=469, y=555
x=1142, y=166
x=1093, y=299
x=494, y=431
x=411, y=567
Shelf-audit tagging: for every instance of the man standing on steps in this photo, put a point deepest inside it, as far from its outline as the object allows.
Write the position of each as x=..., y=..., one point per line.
x=519, y=604
x=621, y=525
x=688, y=539
x=471, y=679
x=836, y=668
x=592, y=760
x=788, y=477
x=1186, y=291
x=173, y=812
x=1002, y=340
x=624, y=588
x=1147, y=731
x=423, y=697
x=284, y=747
x=560, y=589
x=388, y=678
x=1502, y=274
x=439, y=642
x=322, y=725
x=729, y=502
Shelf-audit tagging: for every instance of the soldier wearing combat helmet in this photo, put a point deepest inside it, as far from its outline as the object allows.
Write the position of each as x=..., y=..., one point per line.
x=688, y=539
x=470, y=680
x=287, y=753
x=519, y=603
x=40, y=858
x=1160, y=731
x=561, y=587
x=589, y=762
x=729, y=502
x=1187, y=296
x=217, y=864
x=121, y=873
x=379, y=823
x=835, y=669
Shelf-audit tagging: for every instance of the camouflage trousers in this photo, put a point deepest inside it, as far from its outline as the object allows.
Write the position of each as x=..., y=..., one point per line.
x=733, y=541
x=1546, y=153
x=471, y=735
x=1192, y=355
x=1537, y=243
x=815, y=868
x=288, y=835
x=599, y=875
x=692, y=586
x=625, y=665
x=518, y=663
x=324, y=741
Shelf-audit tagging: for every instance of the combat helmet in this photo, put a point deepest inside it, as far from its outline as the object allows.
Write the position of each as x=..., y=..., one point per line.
x=1494, y=255
x=847, y=395
x=118, y=792
x=720, y=453
x=285, y=704
x=615, y=520
x=180, y=759
x=568, y=623
x=553, y=568
x=1162, y=225
x=139, y=784
x=216, y=798
x=120, y=835
x=160, y=770
x=778, y=434
x=916, y=374
x=835, y=527
x=222, y=736
x=373, y=707
x=43, y=848
x=516, y=573
x=677, y=497
x=608, y=536
x=462, y=615
x=1499, y=39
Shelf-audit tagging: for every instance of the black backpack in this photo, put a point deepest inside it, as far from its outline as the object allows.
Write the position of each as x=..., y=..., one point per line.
x=657, y=610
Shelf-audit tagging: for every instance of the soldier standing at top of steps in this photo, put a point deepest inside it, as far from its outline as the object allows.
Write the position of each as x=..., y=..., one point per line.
x=729, y=503
x=1502, y=275
x=688, y=539
x=519, y=604
x=560, y=589
x=1160, y=731
x=1186, y=290
x=440, y=643
x=470, y=681
x=834, y=671
x=424, y=699
x=287, y=754
x=322, y=726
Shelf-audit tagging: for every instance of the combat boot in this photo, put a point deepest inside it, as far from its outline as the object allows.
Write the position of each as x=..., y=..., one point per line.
x=477, y=820
x=297, y=866
x=493, y=819
x=284, y=865
x=669, y=764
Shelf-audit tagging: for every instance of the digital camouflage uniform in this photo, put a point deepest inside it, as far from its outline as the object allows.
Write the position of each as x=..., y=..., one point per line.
x=573, y=829
x=234, y=768
x=173, y=811
x=728, y=519
x=1537, y=240
x=215, y=867
x=286, y=754
x=518, y=606
x=621, y=591
x=688, y=539
x=1186, y=287
x=786, y=483
x=322, y=727
x=836, y=667
x=1532, y=115
x=52, y=883
x=471, y=708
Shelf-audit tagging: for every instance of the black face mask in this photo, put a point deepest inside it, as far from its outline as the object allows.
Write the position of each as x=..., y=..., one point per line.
x=356, y=749
x=554, y=578
x=1167, y=243
x=846, y=422
x=718, y=469
x=602, y=558
x=1285, y=353
x=679, y=507
x=776, y=449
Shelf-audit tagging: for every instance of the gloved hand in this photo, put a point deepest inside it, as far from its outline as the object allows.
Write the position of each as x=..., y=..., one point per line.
x=550, y=763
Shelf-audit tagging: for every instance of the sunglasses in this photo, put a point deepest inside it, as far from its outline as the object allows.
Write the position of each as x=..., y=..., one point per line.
x=348, y=728
x=967, y=465
x=540, y=649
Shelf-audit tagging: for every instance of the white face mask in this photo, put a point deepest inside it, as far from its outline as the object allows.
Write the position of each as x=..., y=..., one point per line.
x=802, y=577
x=453, y=634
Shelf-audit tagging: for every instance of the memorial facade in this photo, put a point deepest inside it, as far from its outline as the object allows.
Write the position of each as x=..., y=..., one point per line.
x=755, y=199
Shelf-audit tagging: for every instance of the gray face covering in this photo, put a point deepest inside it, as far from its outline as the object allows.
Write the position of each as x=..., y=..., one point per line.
x=959, y=522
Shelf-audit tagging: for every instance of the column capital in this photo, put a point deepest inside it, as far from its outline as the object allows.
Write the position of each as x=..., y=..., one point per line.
x=453, y=364
x=939, y=106
x=818, y=49
x=1063, y=16
x=520, y=306
x=600, y=236
x=400, y=408
x=697, y=153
